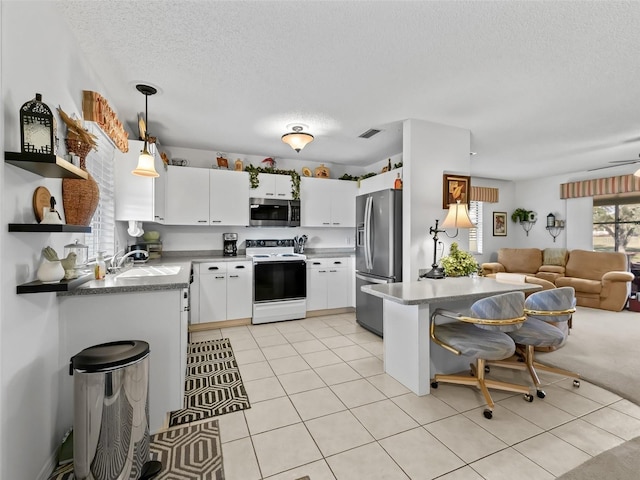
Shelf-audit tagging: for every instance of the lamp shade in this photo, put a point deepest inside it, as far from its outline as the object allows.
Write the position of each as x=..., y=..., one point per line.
x=297, y=139
x=145, y=167
x=458, y=217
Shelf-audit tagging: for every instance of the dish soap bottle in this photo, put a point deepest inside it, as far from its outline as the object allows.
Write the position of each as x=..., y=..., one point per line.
x=101, y=267
x=398, y=183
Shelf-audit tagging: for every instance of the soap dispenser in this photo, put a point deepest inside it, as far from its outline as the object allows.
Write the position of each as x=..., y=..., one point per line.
x=101, y=267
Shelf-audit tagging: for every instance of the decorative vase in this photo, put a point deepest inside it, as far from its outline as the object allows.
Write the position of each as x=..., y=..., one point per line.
x=50, y=272
x=79, y=197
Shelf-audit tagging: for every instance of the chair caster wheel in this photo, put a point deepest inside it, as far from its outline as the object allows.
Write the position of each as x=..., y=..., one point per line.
x=576, y=383
x=528, y=397
x=541, y=393
x=434, y=384
x=488, y=414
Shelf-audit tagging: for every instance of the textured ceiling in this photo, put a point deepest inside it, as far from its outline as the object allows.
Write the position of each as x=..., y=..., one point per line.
x=544, y=87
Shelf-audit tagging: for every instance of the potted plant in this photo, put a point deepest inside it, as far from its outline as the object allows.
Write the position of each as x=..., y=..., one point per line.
x=520, y=215
x=459, y=263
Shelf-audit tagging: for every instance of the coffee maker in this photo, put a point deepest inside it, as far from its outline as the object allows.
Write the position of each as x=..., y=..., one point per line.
x=230, y=249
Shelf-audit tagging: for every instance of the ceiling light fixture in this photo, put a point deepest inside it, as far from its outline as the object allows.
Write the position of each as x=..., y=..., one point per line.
x=297, y=139
x=146, y=161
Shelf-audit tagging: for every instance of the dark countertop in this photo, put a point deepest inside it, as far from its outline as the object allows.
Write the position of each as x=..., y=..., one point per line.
x=113, y=283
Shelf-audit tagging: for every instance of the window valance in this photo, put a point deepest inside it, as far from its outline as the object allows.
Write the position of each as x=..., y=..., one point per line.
x=600, y=186
x=484, y=194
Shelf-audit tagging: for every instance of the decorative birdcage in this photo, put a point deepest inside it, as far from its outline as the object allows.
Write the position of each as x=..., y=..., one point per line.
x=37, y=127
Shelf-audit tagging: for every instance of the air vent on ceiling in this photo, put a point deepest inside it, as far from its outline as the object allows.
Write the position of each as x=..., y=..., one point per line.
x=369, y=133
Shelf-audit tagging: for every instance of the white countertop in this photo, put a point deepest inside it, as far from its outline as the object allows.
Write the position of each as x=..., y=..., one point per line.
x=444, y=289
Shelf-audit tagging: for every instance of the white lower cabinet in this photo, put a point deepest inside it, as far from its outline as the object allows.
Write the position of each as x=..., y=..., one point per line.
x=224, y=291
x=327, y=283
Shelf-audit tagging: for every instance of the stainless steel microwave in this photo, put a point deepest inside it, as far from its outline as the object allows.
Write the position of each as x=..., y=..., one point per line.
x=269, y=212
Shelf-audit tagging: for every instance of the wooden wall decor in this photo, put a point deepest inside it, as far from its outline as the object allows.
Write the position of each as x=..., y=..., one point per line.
x=95, y=108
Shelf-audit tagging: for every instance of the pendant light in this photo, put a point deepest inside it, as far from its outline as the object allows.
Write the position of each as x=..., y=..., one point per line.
x=296, y=139
x=146, y=161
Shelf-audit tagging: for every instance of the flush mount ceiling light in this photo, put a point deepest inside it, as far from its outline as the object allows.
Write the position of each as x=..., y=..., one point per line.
x=297, y=139
x=146, y=161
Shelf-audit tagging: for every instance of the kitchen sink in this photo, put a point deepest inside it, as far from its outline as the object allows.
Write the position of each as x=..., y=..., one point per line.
x=150, y=271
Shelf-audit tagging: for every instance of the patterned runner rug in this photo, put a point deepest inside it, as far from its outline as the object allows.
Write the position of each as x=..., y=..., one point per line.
x=190, y=452
x=213, y=384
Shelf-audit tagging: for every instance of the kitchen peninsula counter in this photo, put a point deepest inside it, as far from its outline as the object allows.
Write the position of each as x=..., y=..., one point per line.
x=407, y=308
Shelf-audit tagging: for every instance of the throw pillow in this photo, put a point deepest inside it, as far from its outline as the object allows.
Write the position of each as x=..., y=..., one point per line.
x=554, y=256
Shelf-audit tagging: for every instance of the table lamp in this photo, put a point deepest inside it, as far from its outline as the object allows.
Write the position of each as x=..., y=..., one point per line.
x=457, y=217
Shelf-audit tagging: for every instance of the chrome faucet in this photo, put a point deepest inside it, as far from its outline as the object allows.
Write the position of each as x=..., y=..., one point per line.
x=132, y=252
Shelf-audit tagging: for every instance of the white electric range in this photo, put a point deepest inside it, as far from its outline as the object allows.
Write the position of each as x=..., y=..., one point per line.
x=279, y=280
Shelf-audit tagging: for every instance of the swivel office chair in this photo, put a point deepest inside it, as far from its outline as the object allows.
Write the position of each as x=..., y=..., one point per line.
x=540, y=308
x=482, y=335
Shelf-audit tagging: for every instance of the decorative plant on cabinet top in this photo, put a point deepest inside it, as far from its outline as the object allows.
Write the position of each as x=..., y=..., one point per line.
x=295, y=177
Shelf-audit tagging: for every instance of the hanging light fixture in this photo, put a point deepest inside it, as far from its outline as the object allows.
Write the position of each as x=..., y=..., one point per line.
x=297, y=139
x=146, y=161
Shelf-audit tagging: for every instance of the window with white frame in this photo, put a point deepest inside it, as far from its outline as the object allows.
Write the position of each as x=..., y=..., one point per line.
x=475, y=234
x=100, y=164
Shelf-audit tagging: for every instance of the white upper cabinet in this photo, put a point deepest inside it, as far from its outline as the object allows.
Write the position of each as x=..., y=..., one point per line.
x=228, y=197
x=273, y=186
x=138, y=198
x=187, y=196
x=327, y=202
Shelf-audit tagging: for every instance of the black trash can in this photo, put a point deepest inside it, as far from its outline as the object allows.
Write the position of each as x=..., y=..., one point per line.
x=111, y=411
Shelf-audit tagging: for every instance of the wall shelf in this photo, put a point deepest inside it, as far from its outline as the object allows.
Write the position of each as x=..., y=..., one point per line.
x=554, y=231
x=527, y=225
x=62, y=286
x=39, y=227
x=45, y=165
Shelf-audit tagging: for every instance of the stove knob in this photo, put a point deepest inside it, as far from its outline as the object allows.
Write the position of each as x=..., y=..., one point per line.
x=261, y=243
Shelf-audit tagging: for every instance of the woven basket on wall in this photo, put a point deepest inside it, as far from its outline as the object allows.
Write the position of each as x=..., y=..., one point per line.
x=79, y=197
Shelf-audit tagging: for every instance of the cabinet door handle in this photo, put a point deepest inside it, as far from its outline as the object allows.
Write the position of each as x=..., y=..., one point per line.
x=317, y=263
x=336, y=223
x=213, y=268
x=326, y=223
x=281, y=194
x=234, y=276
x=203, y=221
x=269, y=194
x=337, y=263
x=219, y=276
x=322, y=271
x=239, y=266
x=216, y=221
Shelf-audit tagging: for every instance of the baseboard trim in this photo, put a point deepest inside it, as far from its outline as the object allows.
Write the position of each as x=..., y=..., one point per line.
x=329, y=311
x=198, y=327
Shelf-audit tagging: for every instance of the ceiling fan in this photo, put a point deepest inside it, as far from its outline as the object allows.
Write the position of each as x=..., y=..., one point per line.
x=616, y=163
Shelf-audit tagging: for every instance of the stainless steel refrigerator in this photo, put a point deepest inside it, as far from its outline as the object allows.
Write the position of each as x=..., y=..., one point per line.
x=378, y=251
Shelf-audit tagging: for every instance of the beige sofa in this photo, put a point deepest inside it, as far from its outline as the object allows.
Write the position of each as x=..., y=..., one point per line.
x=600, y=279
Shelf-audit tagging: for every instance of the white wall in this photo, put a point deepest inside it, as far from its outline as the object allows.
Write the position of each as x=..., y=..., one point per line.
x=506, y=201
x=34, y=59
x=429, y=150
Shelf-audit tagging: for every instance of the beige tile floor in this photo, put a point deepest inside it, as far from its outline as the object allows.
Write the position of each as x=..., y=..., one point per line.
x=322, y=406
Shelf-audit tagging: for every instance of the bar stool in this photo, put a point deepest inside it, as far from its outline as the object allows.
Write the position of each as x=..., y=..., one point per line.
x=483, y=336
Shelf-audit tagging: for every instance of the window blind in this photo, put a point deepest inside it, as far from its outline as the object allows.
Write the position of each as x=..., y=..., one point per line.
x=100, y=164
x=475, y=234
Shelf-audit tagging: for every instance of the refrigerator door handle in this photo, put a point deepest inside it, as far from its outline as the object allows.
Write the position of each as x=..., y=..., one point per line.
x=371, y=279
x=367, y=233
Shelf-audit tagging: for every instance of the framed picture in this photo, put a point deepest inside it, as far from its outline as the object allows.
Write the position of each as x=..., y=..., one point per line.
x=454, y=188
x=499, y=224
